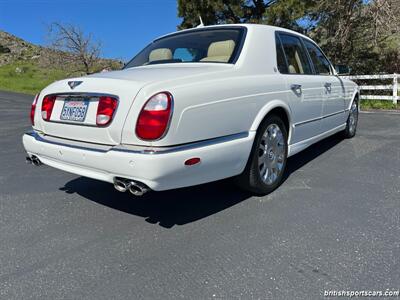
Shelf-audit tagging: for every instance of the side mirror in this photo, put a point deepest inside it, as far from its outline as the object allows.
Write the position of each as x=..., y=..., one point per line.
x=342, y=70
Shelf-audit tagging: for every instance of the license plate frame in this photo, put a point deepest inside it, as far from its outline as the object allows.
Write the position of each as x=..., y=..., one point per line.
x=74, y=110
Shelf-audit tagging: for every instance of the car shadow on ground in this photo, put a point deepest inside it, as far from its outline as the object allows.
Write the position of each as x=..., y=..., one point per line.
x=185, y=205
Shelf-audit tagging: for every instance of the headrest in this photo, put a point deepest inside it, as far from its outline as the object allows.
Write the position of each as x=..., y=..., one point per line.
x=160, y=54
x=220, y=51
x=222, y=48
x=292, y=69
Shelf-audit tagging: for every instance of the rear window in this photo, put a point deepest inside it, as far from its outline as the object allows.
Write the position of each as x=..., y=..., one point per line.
x=222, y=45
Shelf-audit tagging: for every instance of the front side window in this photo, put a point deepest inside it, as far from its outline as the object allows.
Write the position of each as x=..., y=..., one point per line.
x=202, y=46
x=296, y=57
x=321, y=63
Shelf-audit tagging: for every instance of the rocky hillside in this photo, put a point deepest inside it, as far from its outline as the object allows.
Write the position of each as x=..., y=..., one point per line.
x=25, y=67
x=14, y=49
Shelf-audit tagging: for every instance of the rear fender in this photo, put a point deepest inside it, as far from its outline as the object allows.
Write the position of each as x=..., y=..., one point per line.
x=356, y=93
x=266, y=109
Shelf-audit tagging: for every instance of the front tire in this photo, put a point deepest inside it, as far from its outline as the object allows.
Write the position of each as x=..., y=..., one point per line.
x=352, y=121
x=266, y=165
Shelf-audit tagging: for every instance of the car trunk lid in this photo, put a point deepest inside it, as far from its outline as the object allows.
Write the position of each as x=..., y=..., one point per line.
x=75, y=110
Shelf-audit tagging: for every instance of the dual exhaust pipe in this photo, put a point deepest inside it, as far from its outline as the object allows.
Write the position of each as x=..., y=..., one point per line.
x=134, y=187
x=120, y=184
x=34, y=160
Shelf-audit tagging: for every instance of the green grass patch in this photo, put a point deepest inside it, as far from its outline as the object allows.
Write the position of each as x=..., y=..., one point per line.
x=378, y=104
x=26, y=77
x=29, y=78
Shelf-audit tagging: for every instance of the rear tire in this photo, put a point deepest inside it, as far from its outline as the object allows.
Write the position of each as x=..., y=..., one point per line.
x=352, y=121
x=266, y=165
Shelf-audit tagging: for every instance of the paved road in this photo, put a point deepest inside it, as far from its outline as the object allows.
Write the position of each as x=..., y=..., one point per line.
x=333, y=225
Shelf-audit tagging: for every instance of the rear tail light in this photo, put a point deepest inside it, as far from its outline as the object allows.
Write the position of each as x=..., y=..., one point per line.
x=154, y=117
x=47, y=107
x=105, y=110
x=33, y=109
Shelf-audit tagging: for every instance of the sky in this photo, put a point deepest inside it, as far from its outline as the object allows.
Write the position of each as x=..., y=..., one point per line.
x=124, y=27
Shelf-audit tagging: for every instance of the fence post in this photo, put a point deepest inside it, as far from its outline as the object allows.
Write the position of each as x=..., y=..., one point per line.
x=395, y=88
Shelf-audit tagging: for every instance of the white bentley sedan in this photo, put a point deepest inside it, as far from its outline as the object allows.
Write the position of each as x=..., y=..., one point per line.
x=195, y=106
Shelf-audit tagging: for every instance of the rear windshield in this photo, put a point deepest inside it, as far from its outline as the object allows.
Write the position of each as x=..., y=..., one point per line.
x=202, y=46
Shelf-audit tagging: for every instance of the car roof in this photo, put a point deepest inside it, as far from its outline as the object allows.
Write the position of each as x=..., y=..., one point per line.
x=249, y=26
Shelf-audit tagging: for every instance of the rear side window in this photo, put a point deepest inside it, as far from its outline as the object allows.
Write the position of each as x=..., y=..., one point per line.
x=321, y=63
x=296, y=56
x=280, y=56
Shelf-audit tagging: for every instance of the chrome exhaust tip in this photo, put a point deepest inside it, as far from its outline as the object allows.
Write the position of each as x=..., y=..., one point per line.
x=121, y=185
x=137, y=188
x=33, y=160
x=36, y=161
x=134, y=187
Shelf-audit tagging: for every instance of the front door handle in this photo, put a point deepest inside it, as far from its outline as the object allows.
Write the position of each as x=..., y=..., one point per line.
x=296, y=88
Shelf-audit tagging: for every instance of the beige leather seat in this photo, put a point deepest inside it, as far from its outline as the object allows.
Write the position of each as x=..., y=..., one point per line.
x=299, y=64
x=220, y=51
x=160, y=54
x=295, y=66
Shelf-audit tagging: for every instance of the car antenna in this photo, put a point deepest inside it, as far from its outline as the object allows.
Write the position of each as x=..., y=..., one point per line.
x=201, y=23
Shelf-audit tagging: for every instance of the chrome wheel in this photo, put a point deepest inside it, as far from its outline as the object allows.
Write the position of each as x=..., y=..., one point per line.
x=353, y=118
x=271, y=154
x=267, y=161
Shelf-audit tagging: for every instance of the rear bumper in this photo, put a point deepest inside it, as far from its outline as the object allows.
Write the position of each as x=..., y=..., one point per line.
x=159, y=168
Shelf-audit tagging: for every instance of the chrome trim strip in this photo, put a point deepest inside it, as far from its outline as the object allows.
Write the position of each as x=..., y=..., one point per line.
x=39, y=138
x=307, y=121
x=333, y=114
x=81, y=94
x=182, y=147
x=71, y=123
x=145, y=149
x=320, y=118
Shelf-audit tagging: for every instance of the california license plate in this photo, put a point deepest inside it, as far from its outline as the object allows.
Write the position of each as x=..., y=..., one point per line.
x=74, y=110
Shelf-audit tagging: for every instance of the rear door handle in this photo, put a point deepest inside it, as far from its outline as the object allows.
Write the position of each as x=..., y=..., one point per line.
x=296, y=88
x=328, y=86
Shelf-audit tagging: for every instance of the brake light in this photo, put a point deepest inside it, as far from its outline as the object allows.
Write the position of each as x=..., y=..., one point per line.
x=105, y=110
x=154, y=117
x=47, y=107
x=33, y=109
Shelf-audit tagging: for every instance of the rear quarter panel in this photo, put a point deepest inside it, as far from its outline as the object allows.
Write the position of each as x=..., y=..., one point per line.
x=210, y=107
x=351, y=89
